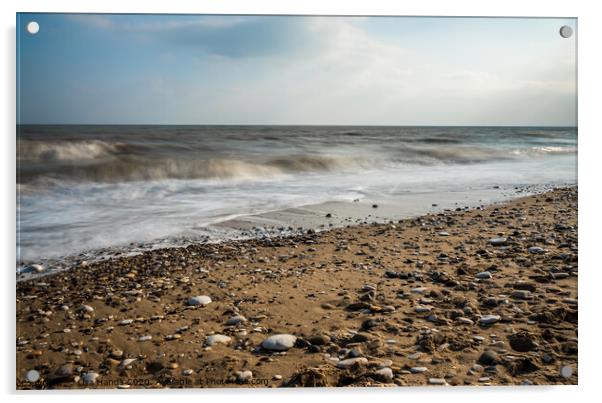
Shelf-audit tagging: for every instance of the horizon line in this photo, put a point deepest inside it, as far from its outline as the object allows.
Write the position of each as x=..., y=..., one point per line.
x=282, y=125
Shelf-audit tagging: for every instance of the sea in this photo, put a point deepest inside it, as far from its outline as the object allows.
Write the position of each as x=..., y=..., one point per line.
x=85, y=192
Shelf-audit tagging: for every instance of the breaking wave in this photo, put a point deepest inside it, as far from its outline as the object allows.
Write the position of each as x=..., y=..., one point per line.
x=42, y=151
x=51, y=163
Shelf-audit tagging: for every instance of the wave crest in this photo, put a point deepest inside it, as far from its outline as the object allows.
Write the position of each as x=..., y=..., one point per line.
x=67, y=150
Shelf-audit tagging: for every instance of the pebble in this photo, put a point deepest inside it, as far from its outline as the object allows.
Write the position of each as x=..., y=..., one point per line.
x=386, y=374
x=489, y=319
x=464, y=320
x=116, y=353
x=488, y=357
x=218, y=338
x=418, y=370
x=522, y=342
x=477, y=368
x=279, y=342
x=87, y=308
x=200, y=300
x=536, y=250
x=521, y=294
x=89, y=378
x=126, y=362
x=498, y=241
x=277, y=377
x=484, y=275
x=419, y=290
x=145, y=338
x=236, y=320
x=344, y=364
x=437, y=381
x=319, y=340
x=125, y=322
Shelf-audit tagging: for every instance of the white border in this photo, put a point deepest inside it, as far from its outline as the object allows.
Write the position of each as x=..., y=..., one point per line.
x=589, y=68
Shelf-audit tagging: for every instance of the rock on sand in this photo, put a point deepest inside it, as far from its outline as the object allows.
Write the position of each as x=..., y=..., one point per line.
x=279, y=342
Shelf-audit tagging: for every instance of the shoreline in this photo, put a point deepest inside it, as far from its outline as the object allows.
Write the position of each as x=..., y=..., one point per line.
x=295, y=221
x=370, y=304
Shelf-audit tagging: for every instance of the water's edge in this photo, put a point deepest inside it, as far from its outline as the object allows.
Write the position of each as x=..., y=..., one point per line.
x=312, y=217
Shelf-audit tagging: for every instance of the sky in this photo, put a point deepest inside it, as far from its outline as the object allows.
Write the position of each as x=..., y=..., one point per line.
x=186, y=69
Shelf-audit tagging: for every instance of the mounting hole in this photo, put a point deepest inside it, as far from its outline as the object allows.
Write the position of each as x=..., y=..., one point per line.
x=33, y=27
x=566, y=31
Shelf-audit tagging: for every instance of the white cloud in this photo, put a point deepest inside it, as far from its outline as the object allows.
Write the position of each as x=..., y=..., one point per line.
x=351, y=76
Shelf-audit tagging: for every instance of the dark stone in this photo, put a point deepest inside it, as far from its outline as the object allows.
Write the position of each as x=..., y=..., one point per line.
x=319, y=340
x=488, y=357
x=523, y=365
x=525, y=287
x=354, y=353
x=570, y=347
x=369, y=296
x=369, y=324
x=314, y=349
x=154, y=367
x=522, y=342
x=490, y=302
x=359, y=338
x=301, y=343
x=356, y=306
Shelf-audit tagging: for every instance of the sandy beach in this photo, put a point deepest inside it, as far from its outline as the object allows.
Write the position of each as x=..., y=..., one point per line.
x=486, y=296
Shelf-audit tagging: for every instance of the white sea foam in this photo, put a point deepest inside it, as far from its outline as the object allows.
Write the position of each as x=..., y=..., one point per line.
x=45, y=151
x=157, y=185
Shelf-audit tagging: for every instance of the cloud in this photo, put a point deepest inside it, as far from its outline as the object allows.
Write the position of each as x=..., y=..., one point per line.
x=227, y=36
x=325, y=70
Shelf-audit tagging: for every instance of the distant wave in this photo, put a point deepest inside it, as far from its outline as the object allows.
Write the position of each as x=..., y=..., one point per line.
x=42, y=151
x=51, y=163
x=137, y=168
x=554, y=150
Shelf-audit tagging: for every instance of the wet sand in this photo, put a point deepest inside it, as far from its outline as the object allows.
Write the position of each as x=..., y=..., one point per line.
x=469, y=297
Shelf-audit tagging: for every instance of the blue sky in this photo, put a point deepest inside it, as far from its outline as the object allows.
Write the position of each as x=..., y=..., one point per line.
x=184, y=69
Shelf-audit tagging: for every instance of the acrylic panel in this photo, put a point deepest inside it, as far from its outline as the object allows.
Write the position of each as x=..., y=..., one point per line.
x=295, y=201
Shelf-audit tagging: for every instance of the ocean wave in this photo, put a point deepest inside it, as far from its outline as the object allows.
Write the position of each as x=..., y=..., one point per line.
x=42, y=151
x=141, y=169
x=47, y=164
x=554, y=150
